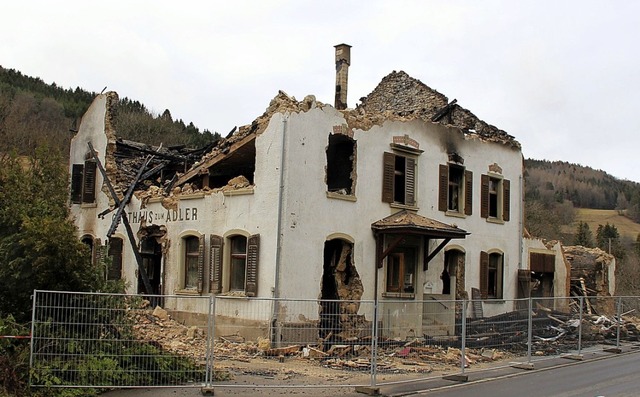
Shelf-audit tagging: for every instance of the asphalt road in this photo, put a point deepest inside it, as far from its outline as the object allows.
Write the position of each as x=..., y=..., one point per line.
x=617, y=376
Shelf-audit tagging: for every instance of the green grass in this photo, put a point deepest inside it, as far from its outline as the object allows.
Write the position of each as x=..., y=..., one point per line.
x=626, y=227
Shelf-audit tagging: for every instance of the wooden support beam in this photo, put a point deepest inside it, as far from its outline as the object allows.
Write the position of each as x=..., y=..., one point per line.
x=127, y=197
x=125, y=221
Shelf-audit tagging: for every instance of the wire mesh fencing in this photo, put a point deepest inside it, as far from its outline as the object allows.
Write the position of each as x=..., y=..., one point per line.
x=117, y=341
x=105, y=341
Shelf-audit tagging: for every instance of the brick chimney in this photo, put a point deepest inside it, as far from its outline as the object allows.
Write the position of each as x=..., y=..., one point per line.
x=343, y=60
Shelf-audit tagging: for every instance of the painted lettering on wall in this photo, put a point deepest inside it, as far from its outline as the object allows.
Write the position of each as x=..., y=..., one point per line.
x=164, y=216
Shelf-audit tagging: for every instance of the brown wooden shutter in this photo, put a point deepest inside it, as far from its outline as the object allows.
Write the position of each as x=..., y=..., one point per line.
x=410, y=181
x=468, y=192
x=98, y=254
x=76, y=183
x=389, y=167
x=484, y=275
x=484, y=196
x=200, y=262
x=506, y=200
x=536, y=262
x=550, y=263
x=253, y=254
x=115, y=253
x=89, y=182
x=215, y=264
x=443, y=187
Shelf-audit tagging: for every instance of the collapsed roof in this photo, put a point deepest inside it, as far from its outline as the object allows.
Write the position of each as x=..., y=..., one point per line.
x=397, y=97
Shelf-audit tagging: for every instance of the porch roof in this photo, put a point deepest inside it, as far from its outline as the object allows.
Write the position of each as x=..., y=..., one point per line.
x=409, y=222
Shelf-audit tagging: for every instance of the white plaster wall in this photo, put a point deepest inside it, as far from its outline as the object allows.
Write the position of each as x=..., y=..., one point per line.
x=92, y=129
x=311, y=216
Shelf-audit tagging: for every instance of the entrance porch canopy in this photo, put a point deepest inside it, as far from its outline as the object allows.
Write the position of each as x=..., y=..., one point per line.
x=408, y=222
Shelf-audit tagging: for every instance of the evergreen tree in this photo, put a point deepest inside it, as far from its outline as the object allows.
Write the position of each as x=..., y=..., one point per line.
x=608, y=239
x=583, y=236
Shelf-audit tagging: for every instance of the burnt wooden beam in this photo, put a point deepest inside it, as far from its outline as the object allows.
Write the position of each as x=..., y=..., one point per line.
x=435, y=252
x=127, y=197
x=125, y=221
x=153, y=171
x=390, y=248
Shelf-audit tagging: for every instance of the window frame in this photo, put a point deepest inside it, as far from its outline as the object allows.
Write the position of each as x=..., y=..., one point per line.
x=392, y=175
x=220, y=264
x=192, y=259
x=502, y=201
x=464, y=188
x=400, y=276
x=492, y=275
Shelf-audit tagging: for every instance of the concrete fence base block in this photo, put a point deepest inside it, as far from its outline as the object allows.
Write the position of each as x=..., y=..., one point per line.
x=578, y=357
x=456, y=377
x=613, y=350
x=206, y=391
x=527, y=366
x=368, y=390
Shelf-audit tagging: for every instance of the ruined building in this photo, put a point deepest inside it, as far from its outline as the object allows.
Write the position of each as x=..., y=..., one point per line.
x=405, y=197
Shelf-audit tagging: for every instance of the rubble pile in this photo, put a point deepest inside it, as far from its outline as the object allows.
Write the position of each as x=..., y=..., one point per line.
x=489, y=339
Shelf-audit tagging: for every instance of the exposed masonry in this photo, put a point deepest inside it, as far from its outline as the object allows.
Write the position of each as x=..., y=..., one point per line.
x=398, y=97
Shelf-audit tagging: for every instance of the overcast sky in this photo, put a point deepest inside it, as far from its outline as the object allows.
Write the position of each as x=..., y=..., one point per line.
x=561, y=76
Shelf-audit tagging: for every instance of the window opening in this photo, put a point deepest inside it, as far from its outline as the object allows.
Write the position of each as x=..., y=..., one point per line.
x=341, y=154
x=398, y=182
x=238, y=263
x=401, y=271
x=495, y=276
x=455, y=188
x=494, y=186
x=192, y=255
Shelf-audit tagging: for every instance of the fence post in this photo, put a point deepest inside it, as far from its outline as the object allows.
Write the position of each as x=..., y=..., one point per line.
x=529, y=330
x=580, y=326
x=33, y=322
x=464, y=335
x=374, y=344
x=208, y=387
x=619, y=315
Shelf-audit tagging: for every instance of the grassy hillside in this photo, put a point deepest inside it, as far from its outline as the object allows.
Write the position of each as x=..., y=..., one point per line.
x=626, y=227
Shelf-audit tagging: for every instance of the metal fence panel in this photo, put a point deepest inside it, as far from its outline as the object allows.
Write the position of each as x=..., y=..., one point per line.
x=116, y=340
x=103, y=340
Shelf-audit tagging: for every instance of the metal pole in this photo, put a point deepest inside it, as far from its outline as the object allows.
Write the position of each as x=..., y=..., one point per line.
x=529, y=330
x=464, y=334
x=33, y=325
x=580, y=326
x=374, y=341
x=619, y=315
x=210, y=339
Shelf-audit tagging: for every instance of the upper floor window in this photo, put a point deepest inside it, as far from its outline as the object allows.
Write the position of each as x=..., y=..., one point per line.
x=83, y=182
x=496, y=200
x=341, y=156
x=193, y=262
x=491, y=275
x=399, y=179
x=455, y=189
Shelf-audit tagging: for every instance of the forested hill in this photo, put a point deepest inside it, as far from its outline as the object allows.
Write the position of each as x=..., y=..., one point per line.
x=558, y=181
x=33, y=113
